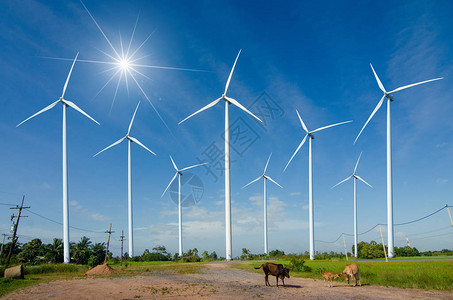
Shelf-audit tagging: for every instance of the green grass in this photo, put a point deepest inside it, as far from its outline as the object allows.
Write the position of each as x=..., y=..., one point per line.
x=154, y=267
x=42, y=274
x=428, y=275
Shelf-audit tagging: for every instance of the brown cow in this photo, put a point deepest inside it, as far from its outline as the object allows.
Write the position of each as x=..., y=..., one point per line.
x=351, y=271
x=276, y=270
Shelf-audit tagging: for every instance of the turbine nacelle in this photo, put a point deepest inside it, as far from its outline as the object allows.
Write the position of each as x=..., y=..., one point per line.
x=389, y=96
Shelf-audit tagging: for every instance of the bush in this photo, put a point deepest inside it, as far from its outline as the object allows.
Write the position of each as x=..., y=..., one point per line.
x=297, y=265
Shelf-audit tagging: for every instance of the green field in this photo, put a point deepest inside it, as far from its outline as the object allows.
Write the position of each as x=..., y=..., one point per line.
x=429, y=275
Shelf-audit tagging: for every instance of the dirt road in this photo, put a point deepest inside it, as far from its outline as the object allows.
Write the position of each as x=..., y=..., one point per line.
x=217, y=281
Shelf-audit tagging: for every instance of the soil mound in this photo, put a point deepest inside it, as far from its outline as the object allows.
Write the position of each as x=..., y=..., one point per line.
x=101, y=270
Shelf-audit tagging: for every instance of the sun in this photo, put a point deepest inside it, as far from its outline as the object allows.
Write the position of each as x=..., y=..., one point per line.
x=124, y=64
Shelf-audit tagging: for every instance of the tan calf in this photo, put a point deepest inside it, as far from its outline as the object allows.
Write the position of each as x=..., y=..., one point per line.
x=351, y=271
x=330, y=276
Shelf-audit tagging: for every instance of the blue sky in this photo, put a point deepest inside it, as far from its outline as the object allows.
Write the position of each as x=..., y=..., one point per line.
x=313, y=57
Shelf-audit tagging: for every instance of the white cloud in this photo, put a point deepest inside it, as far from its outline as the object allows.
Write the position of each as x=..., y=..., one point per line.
x=442, y=181
x=86, y=213
x=295, y=194
x=47, y=186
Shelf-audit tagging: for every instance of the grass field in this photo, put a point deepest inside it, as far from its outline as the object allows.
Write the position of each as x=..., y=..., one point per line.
x=429, y=275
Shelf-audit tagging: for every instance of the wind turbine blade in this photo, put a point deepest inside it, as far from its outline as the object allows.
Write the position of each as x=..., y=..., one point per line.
x=194, y=166
x=414, y=84
x=72, y=104
x=381, y=86
x=325, y=127
x=273, y=181
x=235, y=102
x=342, y=181
x=357, y=163
x=204, y=108
x=265, y=168
x=114, y=144
x=302, y=122
x=69, y=75
x=132, y=120
x=252, y=182
x=174, y=177
x=231, y=73
x=174, y=165
x=138, y=142
x=39, y=112
x=300, y=145
x=371, y=116
x=360, y=178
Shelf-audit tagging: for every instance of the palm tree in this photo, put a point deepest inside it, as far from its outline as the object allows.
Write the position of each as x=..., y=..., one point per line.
x=82, y=251
x=55, y=251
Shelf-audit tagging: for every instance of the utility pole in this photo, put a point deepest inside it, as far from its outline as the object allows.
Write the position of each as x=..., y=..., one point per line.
x=122, y=240
x=383, y=246
x=13, y=242
x=448, y=209
x=345, y=250
x=3, y=244
x=108, y=242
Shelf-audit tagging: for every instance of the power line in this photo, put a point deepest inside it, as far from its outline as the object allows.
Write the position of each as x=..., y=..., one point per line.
x=59, y=223
x=400, y=224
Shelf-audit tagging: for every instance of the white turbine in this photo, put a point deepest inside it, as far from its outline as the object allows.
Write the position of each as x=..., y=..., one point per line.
x=179, y=174
x=129, y=177
x=266, y=251
x=310, y=179
x=228, y=100
x=389, y=97
x=66, y=255
x=355, y=176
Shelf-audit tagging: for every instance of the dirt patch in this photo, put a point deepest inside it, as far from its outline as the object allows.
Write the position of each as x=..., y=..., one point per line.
x=216, y=281
x=104, y=269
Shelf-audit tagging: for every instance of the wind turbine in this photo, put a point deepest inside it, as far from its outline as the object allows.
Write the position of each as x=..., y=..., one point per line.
x=66, y=103
x=130, y=140
x=179, y=174
x=310, y=178
x=389, y=97
x=228, y=101
x=265, y=200
x=355, y=176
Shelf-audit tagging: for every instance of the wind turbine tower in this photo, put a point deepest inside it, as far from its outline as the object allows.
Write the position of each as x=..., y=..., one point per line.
x=66, y=103
x=310, y=179
x=355, y=177
x=130, y=140
x=179, y=174
x=266, y=250
x=389, y=96
x=228, y=101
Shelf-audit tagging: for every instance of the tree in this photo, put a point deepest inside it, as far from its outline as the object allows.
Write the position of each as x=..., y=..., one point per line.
x=97, y=254
x=82, y=251
x=245, y=254
x=30, y=251
x=369, y=250
x=276, y=253
x=54, y=251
